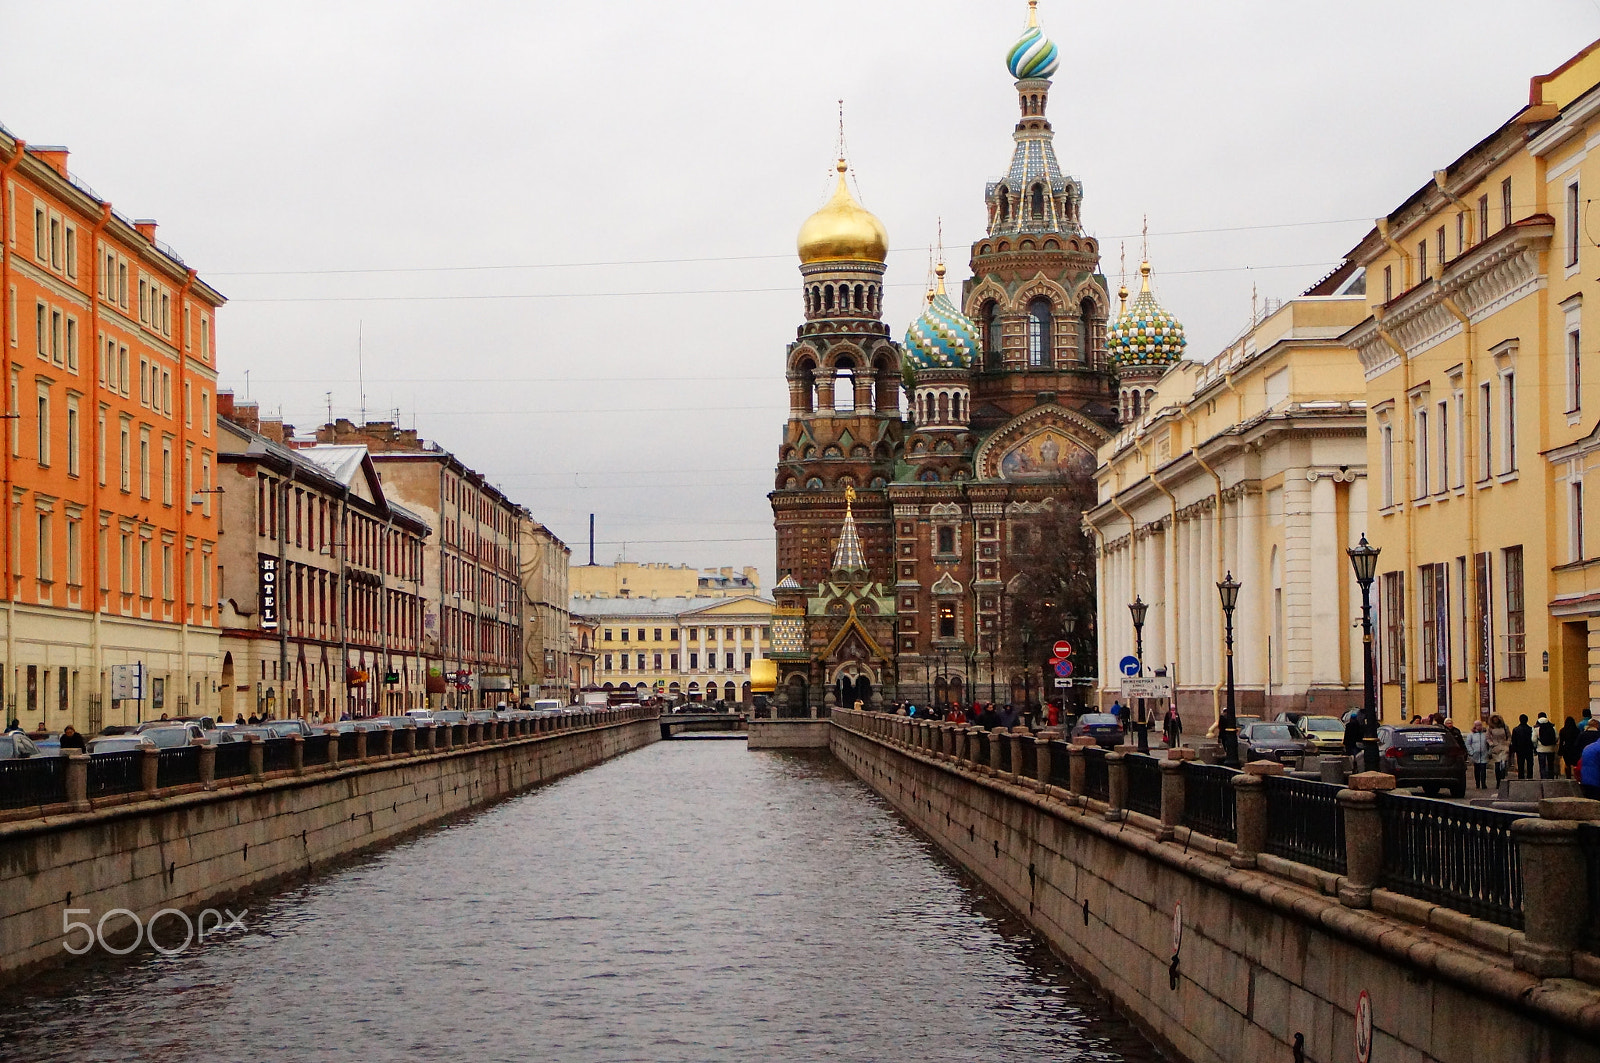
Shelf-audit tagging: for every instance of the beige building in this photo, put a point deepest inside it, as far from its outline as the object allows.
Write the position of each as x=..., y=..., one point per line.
x=546, y=622
x=1252, y=463
x=629, y=579
x=700, y=648
x=581, y=644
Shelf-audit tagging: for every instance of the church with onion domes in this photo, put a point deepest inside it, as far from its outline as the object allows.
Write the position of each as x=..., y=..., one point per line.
x=914, y=477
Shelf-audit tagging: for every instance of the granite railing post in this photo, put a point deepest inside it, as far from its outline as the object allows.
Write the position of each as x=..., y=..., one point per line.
x=474, y=732
x=1046, y=744
x=1116, y=785
x=208, y=766
x=78, y=781
x=408, y=740
x=1363, y=837
x=297, y=753
x=149, y=769
x=1078, y=766
x=1172, y=795
x=385, y=736
x=996, y=736
x=1250, y=811
x=258, y=758
x=1555, y=878
x=361, y=744
x=333, y=747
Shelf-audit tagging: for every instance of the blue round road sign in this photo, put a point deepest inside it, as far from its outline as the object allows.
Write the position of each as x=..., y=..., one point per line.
x=1063, y=668
x=1129, y=665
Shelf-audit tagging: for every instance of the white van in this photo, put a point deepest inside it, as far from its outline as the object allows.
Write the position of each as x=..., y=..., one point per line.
x=422, y=716
x=547, y=705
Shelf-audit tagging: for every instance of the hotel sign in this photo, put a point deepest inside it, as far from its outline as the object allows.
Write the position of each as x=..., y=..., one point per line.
x=268, y=591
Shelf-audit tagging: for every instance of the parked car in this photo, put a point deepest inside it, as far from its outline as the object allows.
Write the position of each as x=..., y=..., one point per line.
x=482, y=716
x=1429, y=757
x=450, y=716
x=1271, y=741
x=1325, y=733
x=172, y=736
x=422, y=716
x=17, y=746
x=285, y=728
x=118, y=743
x=547, y=706
x=1104, y=728
x=49, y=745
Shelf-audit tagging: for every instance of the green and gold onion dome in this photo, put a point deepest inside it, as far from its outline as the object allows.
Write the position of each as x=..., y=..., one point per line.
x=843, y=230
x=942, y=337
x=1145, y=333
x=1034, y=55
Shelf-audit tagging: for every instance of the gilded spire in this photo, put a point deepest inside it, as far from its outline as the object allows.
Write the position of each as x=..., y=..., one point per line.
x=847, y=552
x=1033, y=12
x=1122, y=281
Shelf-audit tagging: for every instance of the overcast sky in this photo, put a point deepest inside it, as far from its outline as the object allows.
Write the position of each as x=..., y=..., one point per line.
x=564, y=232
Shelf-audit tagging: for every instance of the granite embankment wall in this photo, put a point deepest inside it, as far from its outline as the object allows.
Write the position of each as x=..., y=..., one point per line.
x=188, y=850
x=1270, y=964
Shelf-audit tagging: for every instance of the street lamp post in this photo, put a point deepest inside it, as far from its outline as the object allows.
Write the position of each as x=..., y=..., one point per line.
x=1364, y=559
x=1069, y=624
x=1137, y=609
x=1228, y=727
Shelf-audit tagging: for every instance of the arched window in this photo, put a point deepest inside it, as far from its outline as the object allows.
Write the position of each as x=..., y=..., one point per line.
x=844, y=387
x=1138, y=405
x=955, y=408
x=1039, y=332
x=1002, y=198
x=1038, y=203
x=927, y=408
x=992, y=335
x=1086, y=331
x=827, y=297
x=861, y=298
x=808, y=387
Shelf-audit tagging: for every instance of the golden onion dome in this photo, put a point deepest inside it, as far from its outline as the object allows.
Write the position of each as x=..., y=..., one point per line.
x=843, y=230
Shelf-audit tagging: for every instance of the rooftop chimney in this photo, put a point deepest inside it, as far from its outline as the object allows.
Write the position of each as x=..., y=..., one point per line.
x=52, y=155
x=146, y=227
x=225, y=404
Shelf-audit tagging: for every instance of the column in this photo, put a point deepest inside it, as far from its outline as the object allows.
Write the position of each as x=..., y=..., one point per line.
x=1249, y=643
x=1325, y=556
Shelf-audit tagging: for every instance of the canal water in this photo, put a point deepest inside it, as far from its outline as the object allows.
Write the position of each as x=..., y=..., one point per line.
x=692, y=901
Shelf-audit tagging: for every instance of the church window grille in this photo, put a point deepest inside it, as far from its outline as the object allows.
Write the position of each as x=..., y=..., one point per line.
x=844, y=387
x=955, y=408
x=1039, y=326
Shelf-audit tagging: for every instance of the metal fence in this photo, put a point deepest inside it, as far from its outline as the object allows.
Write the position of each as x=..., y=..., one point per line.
x=1305, y=822
x=1026, y=760
x=1144, y=784
x=277, y=754
x=1208, y=805
x=1096, y=774
x=978, y=746
x=1060, y=766
x=1455, y=855
x=1589, y=845
x=178, y=767
x=1004, y=744
x=34, y=781
x=347, y=746
x=114, y=773
x=233, y=760
x=316, y=749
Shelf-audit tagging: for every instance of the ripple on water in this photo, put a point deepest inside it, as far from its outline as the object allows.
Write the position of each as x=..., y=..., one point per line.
x=688, y=902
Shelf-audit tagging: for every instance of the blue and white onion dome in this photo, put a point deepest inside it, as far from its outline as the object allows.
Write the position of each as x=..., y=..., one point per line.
x=1145, y=333
x=1034, y=55
x=942, y=337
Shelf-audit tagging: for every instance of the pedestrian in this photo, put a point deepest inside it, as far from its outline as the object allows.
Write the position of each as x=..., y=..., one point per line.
x=1549, y=742
x=1116, y=709
x=71, y=739
x=1172, y=727
x=1589, y=765
x=1450, y=725
x=14, y=724
x=1008, y=717
x=1570, y=743
x=1353, y=734
x=1589, y=735
x=163, y=717
x=1522, y=747
x=254, y=719
x=1499, y=747
x=238, y=719
x=1052, y=715
x=1477, y=743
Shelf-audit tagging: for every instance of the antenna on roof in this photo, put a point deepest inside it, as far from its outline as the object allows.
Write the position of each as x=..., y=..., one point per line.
x=247, y=385
x=361, y=379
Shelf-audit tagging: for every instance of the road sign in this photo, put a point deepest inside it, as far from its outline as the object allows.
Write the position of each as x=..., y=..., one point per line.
x=127, y=682
x=1063, y=683
x=1062, y=649
x=1155, y=686
x=1063, y=669
x=1363, y=1028
x=1129, y=665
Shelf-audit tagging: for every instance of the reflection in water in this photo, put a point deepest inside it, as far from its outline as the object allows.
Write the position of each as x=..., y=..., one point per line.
x=692, y=901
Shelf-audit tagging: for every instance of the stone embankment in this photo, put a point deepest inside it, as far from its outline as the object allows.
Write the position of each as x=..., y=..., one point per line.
x=1247, y=916
x=236, y=818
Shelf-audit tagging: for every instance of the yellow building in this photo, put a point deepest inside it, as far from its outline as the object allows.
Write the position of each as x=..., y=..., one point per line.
x=1251, y=463
x=701, y=648
x=1481, y=423
x=630, y=579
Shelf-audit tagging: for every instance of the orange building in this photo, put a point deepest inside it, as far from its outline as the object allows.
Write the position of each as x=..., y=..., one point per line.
x=109, y=548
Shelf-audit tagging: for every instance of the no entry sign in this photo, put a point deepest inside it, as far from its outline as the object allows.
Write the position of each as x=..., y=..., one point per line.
x=1062, y=649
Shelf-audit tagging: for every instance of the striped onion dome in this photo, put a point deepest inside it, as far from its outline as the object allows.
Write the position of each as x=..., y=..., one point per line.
x=942, y=337
x=1034, y=55
x=1145, y=333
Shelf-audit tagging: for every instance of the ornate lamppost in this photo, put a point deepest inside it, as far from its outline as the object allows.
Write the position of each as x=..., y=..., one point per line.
x=1364, y=559
x=1228, y=726
x=1068, y=625
x=1137, y=609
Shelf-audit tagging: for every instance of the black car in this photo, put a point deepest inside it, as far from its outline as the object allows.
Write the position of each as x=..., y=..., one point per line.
x=1271, y=741
x=1104, y=728
x=1429, y=757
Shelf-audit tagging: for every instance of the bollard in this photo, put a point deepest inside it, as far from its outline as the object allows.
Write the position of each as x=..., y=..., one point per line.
x=1117, y=785
x=996, y=736
x=333, y=748
x=1363, y=837
x=1046, y=745
x=408, y=740
x=297, y=753
x=208, y=767
x=1172, y=795
x=1078, y=766
x=474, y=732
x=149, y=767
x=1555, y=901
x=1250, y=811
x=258, y=758
x=78, y=781
x=361, y=745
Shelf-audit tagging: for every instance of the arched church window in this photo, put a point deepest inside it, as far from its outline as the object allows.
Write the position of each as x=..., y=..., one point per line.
x=1086, y=331
x=808, y=387
x=955, y=408
x=844, y=387
x=827, y=297
x=947, y=540
x=1138, y=405
x=992, y=334
x=1039, y=329
x=1002, y=200
x=861, y=298
x=1038, y=202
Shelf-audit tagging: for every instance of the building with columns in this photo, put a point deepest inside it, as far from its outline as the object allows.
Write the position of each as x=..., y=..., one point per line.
x=1254, y=464
x=696, y=648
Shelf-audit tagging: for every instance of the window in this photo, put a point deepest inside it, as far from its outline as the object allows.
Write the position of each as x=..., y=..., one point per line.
x=44, y=566
x=641, y=662
x=144, y=568
x=606, y=636
x=608, y=662
x=72, y=437
x=728, y=662
x=947, y=620
x=144, y=463
x=1574, y=358
x=41, y=329
x=122, y=384
x=1508, y=397
x=993, y=341
x=641, y=634
x=1439, y=245
x=100, y=446
x=44, y=428
x=1394, y=626
x=72, y=344
x=1388, y=284
x=947, y=540
x=1427, y=649
x=1485, y=430
x=1461, y=232
x=166, y=572
x=1387, y=456
x=1037, y=204
x=1443, y=414
x=656, y=661
x=1505, y=203
x=1572, y=224
x=694, y=661
x=1516, y=649
x=74, y=552
x=1575, y=520
x=166, y=475
x=1483, y=216
x=1458, y=473
x=1422, y=261
x=126, y=582
x=1421, y=452
x=674, y=665
x=188, y=405
x=624, y=634
x=657, y=634
x=1039, y=333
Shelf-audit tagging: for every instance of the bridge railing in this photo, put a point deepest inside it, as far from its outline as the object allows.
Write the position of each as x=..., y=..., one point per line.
x=1305, y=822
x=32, y=783
x=1144, y=784
x=1209, y=807
x=1462, y=857
x=1096, y=774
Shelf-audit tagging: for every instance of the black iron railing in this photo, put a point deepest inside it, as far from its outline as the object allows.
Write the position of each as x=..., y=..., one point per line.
x=1026, y=760
x=316, y=749
x=277, y=754
x=233, y=760
x=1305, y=823
x=1589, y=845
x=115, y=773
x=1096, y=774
x=34, y=781
x=1004, y=742
x=1208, y=805
x=1060, y=766
x=1144, y=784
x=178, y=767
x=1455, y=855
x=347, y=746
x=978, y=747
